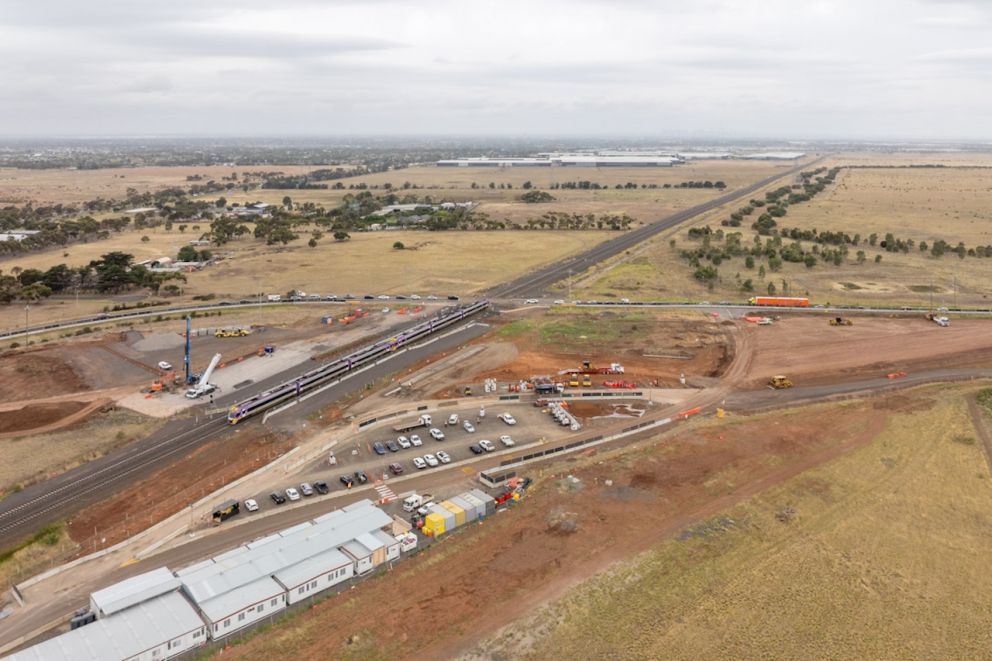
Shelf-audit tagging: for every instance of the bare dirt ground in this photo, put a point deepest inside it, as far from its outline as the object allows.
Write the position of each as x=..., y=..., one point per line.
x=811, y=352
x=490, y=574
x=166, y=492
x=41, y=373
x=36, y=418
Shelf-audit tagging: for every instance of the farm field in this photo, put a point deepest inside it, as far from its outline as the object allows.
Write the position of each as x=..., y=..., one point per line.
x=863, y=556
x=753, y=492
x=911, y=203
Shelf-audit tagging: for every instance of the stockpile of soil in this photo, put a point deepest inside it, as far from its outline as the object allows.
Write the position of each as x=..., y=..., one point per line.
x=36, y=374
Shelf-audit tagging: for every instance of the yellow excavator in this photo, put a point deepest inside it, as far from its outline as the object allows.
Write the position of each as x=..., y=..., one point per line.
x=780, y=382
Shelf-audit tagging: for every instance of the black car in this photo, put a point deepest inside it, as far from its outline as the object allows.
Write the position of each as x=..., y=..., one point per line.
x=379, y=448
x=393, y=446
x=400, y=297
x=361, y=476
x=453, y=298
x=369, y=297
x=347, y=481
x=277, y=498
x=476, y=449
x=321, y=486
x=244, y=301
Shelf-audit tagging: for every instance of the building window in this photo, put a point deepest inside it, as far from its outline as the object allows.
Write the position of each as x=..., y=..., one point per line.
x=261, y=607
x=272, y=603
x=227, y=622
x=314, y=584
x=241, y=617
x=300, y=590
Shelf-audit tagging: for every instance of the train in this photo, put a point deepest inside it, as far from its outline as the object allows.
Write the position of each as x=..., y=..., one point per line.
x=779, y=301
x=340, y=366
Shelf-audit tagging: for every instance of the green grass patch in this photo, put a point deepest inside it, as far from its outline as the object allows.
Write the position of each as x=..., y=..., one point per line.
x=984, y=398
x=47, y=536
x=516, y=328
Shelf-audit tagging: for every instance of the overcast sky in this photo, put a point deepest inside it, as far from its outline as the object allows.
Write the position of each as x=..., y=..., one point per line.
x=860, y=69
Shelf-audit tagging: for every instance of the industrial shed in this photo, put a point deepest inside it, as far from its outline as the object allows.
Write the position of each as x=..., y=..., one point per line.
x=318, y=573
x=159, y=628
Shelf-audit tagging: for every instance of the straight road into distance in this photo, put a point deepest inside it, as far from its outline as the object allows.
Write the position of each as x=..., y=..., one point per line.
x=534, y=284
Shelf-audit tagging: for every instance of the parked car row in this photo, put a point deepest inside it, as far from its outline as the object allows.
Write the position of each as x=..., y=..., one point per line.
x=291, y=493
x=432, y=461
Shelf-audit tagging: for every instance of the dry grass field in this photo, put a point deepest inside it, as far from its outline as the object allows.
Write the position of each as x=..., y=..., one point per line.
x=918, y=204
x=878, y=554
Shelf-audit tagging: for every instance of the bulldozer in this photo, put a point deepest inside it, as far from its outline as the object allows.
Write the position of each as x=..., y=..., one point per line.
x=780, y=382
x=841, y=321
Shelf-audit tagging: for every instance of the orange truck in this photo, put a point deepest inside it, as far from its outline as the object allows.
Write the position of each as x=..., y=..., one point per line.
x=780, y=301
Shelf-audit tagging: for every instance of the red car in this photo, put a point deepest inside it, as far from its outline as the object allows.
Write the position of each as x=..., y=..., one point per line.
x=396, y=469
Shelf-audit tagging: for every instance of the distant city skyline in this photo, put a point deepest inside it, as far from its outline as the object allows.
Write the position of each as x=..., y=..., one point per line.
x=914, y=70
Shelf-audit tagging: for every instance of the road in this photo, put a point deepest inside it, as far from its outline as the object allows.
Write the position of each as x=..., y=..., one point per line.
x=536, y=283
x=24, y=512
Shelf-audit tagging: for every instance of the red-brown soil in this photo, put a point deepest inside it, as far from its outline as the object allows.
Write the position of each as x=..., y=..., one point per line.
x=36, y=418
x=169, y=490
x=811, y=352
x=32, y=374
x=485, y=576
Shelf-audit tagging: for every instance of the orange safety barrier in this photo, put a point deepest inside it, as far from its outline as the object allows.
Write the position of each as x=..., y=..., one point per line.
x=685, y=414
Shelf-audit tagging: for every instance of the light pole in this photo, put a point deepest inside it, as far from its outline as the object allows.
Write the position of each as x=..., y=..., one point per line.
x=26, y=308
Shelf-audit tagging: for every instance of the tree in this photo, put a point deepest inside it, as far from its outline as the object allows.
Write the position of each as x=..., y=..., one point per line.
x=182, y=228
x=145, y=239
x=536, y=197
x=188, y=254
x=527, y=185
x=878, y=259
x=221, y=202
x=810, y=261
x=861, y=257
x=771, y=288
x=287, y=202
x=341, y=235
x=312, y=243
x=399, y=246
x=761, y=271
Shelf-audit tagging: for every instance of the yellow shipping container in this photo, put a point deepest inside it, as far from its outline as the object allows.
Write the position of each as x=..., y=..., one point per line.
x=434, y=524
x=457, y=511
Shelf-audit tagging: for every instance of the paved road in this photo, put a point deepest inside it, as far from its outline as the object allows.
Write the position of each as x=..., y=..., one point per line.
x=536, y=283
x=24, y=512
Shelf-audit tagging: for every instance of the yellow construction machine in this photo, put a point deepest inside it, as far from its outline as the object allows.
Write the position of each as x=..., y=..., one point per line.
x=779, y=382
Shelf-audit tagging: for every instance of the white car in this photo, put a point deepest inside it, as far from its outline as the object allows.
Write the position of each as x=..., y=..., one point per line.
x=383, y=297
x=414, y=297
x=508, y=419
x=306, y=489
x=487, y=445
x=419, y=463
x=432, y=297
x=531, y=301
x=403, y=442
x=431, y=460
x=415, y=441
x=443, y=457
x=559, y=301
x=251, y=505
x=453, y=419
x=469, y=427
x=507, y=441
x=437, y=434
x=165, y=366
x=292, y=494
x=625, y=300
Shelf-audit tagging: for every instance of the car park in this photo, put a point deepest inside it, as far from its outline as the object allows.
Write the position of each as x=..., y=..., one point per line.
x=415, y=441
x=395, y=468
x=469, y=427
x=251, y=505
x=361, y=476
x=277, y=498
x=403, y=442
x=347, y=481
x=431, y=460
x=437, y=434
x=487, y=445
x=476, y=449
x=379, y=448
x=393, y=446
x=321, y=487
x=165, y=365
x=507, y=441
x=306, y=489
x=508, y=419
x=419, y=463
x=292, y=494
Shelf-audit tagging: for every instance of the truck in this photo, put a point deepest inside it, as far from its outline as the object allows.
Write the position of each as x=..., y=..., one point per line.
x=779, y=301
x=203, y=386
x=589, y=368
x=274, y=298
x=423, y=421
x=416, y=501
x=939, y=320
x=549, y=388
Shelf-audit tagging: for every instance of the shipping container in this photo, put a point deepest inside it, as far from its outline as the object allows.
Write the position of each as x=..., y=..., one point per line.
x=488, y=500
x=478, y=505
x=468, y=508
x=457, y=511
x=433, y=525
x=448, y=515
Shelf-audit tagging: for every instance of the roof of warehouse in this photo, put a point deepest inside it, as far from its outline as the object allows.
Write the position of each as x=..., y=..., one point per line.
x=302, y=572
x=226, y=575
x=134, y=590
x=120, y=636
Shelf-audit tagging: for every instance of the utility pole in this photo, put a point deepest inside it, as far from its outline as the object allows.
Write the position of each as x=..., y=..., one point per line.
x=26, y=308
x=569, y=284
x=189, y=323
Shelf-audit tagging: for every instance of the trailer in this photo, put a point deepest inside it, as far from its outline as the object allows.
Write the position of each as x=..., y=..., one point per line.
x=779, y=301
x=423, y=421
x=226, y=510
